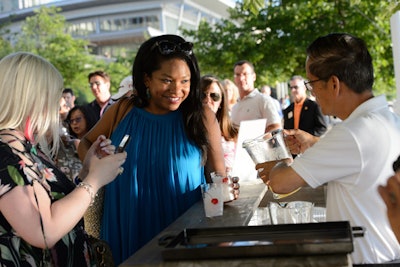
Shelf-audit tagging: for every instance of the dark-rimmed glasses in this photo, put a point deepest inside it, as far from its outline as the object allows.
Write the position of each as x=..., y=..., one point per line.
x=77, y=120
x=167, y=47
x=214, y=96
x=308, y=84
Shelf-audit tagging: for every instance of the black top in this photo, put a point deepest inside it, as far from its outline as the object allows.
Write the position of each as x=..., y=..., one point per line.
x=311, y=118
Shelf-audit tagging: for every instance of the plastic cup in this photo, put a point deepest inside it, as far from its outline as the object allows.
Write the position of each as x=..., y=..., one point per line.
x=291, y=212
x=213, y=199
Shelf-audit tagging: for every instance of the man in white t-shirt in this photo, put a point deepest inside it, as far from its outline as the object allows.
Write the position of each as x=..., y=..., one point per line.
x=252, y=105
x=356, y=155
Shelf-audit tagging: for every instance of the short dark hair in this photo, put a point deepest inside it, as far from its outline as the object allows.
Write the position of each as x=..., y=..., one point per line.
x=89, y=115
x=100, y=73
x=68, y=91
x=242, y=62
x=344, y=56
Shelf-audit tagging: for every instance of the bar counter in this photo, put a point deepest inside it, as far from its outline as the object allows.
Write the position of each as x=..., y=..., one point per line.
x=236, y=213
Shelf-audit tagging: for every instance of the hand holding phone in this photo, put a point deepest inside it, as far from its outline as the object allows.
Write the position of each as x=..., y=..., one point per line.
x=122, y=145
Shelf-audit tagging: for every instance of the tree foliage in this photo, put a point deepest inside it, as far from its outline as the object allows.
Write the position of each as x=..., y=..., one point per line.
x=272, y=34
x=5, y=46
x=45, y=34
x=275, y=37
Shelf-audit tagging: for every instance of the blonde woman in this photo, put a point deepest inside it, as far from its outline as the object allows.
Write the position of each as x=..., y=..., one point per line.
x=232, y=93
x=41, y=210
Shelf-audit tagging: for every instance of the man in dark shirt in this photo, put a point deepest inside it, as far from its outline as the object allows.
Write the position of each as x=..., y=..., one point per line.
x=303, y=113
x=99, y=82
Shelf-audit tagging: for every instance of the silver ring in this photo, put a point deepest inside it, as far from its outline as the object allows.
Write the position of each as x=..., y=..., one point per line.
x=120, y=170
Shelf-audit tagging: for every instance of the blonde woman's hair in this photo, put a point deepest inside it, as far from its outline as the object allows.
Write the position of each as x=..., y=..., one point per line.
x=30, y=89
x=229, y=132
x=229, y=85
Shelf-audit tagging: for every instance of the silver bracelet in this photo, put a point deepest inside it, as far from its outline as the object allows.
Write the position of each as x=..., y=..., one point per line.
x=88, y=189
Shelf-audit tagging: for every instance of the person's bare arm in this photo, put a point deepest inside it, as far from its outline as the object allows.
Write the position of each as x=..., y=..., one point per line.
x=279, y=175
x=215, y=155
x=390, y=194
x=283, y=179
x=273, y=126
x=19, y=205
x=299, y=141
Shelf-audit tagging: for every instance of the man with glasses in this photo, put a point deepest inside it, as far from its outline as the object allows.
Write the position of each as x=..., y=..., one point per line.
x=303, y=113
x=252, y=105
x=353, y=157
x=99, y=82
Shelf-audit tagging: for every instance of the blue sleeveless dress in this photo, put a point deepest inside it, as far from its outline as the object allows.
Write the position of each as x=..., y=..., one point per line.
x=160, y=181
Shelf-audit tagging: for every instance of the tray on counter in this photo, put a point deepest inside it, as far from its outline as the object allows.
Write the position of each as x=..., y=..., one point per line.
x=261, y=241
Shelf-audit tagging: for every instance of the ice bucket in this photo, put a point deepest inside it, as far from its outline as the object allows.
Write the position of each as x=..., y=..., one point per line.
x=267, y=147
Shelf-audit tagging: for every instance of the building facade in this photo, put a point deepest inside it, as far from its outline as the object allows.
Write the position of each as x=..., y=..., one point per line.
x=119, y=26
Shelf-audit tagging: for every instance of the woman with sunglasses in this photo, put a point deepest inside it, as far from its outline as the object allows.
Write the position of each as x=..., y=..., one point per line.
x=175, y=142
x=215, y=97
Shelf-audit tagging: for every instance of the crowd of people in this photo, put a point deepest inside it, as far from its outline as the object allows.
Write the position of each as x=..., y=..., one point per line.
x=59, y=165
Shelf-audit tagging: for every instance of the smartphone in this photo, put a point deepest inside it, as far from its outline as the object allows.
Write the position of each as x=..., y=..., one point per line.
x=122, y=145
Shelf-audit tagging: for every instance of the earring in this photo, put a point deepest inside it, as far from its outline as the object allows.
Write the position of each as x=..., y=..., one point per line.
x=148, y=93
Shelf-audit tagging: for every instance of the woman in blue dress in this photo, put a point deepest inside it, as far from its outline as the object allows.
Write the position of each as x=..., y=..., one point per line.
x=175, y=143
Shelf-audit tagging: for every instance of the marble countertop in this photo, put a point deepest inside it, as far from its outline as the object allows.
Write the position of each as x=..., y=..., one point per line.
x=240, y=212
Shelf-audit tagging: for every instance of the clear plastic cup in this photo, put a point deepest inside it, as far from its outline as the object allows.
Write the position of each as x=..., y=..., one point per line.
x=291, y=212
x=212, y=199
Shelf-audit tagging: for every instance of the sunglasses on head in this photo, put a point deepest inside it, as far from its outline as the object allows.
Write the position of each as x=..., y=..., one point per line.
x=214, y=96
x=167, y=47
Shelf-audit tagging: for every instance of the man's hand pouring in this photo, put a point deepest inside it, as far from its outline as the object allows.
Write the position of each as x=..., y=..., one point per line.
x=299, y=141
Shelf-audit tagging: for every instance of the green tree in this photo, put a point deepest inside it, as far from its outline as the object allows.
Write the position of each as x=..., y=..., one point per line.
x=45, y=34
x=5, y=46
x=275, y=37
